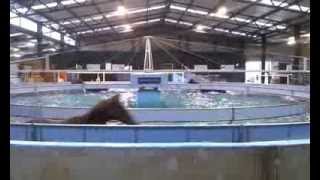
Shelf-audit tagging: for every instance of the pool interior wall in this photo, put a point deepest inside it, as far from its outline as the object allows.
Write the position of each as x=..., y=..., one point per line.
x=155, y=134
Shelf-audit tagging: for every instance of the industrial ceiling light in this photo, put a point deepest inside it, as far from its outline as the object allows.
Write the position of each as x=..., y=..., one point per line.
x=126, y=28
x=16, y=55
x=14, y=49
x=121, y=10
x=201, y=28
x=291, y=41
x=222, y=11
x=305, y=35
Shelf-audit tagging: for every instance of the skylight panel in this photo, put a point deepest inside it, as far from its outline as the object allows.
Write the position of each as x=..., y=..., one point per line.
x=54, y=35
x=222, y=13
x=27, y=44
x=44, y=6
x=145, y=22
x=156, y=7
x=177, y=8
x=13, y=15
x=113, y=14
x=123, y=27
x=28, y=24
x=219, y=15
x=70, y=2
x=45, y=30
x=197, y=12
x=221, y=30
x=16, y=34
x=87, y=19
x=96, y=30
x=69, y=40
x=301, y=8
x=263, y=24
x=67, y=2
x=85, y=32
x=75, y=21
x=97, y=17
x=238, y=33
x=280, y=4
x=181, y=22
x=22, y=10
x=234, y=32
x=137, y=11
x=139, y=23
x=55, y=4
x=241, y=20
x=171, y=20
x=103, y=29
x=15, y=21
x=24, y=23
x=154, y=20
x=185, y=23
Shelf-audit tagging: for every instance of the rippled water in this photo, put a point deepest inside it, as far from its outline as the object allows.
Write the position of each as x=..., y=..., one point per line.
x=152, y=99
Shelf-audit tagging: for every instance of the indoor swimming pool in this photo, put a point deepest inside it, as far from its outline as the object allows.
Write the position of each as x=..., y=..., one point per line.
x=195, y=99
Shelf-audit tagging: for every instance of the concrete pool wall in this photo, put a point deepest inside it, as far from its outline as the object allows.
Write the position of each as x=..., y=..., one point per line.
x=144, y=161
x=82, y=152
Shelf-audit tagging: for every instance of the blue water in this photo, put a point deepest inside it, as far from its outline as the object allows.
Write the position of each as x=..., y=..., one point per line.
x=154, y=99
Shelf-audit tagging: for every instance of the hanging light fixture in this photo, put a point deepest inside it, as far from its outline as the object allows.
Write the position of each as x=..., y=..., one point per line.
x=121, y=10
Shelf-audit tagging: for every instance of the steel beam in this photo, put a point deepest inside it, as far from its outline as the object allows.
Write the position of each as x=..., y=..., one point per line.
x=263, y=57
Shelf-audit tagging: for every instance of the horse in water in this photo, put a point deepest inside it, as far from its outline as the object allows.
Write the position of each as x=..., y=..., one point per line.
x=106, y=110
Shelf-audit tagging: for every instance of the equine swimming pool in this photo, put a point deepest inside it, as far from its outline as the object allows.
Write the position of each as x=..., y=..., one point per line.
x=192, y=104
x=44, y=148
x=155, y=99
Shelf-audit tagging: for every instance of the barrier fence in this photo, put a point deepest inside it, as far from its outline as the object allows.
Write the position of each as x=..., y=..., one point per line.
x=144, y=133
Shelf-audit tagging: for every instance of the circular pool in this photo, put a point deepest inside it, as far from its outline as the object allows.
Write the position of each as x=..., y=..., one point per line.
x=154, y=99
x=235, y=103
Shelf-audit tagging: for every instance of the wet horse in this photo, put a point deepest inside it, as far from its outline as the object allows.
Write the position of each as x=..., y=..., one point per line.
x=106, y=110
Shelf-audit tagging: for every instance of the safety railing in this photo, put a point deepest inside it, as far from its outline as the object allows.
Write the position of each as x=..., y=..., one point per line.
x=147, y=133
